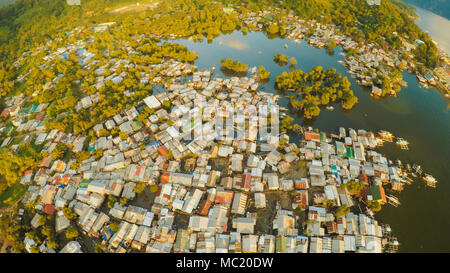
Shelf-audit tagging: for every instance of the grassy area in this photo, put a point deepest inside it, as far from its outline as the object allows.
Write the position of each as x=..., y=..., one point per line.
x=12, y=194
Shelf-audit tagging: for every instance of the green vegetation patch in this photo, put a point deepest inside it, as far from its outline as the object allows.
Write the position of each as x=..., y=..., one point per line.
x=12, y=194
x=317, y=88
x=235, y=66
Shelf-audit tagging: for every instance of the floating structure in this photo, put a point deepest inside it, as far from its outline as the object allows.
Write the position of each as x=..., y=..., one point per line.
x=391, y=245
x=386, y=136
x=402, y=143
x=430, y=180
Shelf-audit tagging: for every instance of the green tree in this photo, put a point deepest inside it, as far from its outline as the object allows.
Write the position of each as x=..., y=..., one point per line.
x=140, y=187
x=331, y=44
x=166, y=104
x=354, y=187
x=42, y=220
x=59, y=151
x=235, y=66
x=111, y=201
x=71, y=233
x=375, y=206
x=69, y=213
x=154, y=188
x=342, y=210
x=293, y=61
x=123, y=135
x=114, y=226
x=273, y=29
x=281, y=58
x=263, y=74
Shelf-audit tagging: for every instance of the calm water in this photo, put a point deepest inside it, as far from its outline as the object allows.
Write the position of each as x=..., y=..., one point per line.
x=437, y=26
x=419, y=115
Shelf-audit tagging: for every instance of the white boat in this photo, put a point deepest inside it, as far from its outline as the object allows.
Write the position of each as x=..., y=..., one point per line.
x=393, y=200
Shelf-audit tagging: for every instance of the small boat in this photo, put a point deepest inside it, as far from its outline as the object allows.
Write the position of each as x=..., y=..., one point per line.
x=417, y=168
x=421, y=78
x=385, y=135
x=430, y=180
x=330, y=108
x=407, y=180
x=386, y=228
x=342, y=132
x=259, y=52
x=393, y=200
x=285, y=46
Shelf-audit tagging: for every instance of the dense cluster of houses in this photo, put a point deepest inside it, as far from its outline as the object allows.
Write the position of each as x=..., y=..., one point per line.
x=209, y=192
x=221, y=203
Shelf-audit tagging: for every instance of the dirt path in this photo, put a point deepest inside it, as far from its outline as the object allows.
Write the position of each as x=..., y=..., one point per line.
x=5, y=244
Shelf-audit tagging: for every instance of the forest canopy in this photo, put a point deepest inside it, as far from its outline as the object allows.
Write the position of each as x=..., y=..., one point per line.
x=317, y=88
x=235, y=66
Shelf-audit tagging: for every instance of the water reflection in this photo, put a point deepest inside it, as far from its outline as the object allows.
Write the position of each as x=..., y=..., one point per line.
x=233, y=43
